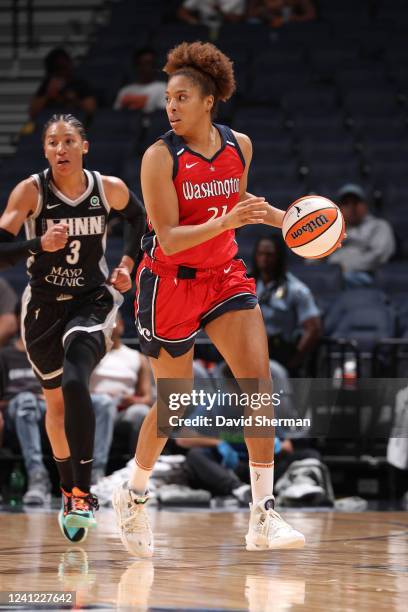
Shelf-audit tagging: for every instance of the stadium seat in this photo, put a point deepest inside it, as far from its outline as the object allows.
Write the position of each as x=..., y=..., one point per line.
x=392, y=278
x=361, y=314
x=322, y=98
x=154, y=125
x=115, y=125
x=370, y=103
x=323, y=279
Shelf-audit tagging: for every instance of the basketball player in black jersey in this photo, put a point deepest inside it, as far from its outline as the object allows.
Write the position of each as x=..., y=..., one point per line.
x=70, y=304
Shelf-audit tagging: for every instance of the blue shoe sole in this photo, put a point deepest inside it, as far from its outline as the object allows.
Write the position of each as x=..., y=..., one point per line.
x=74, y=535
x=80, y=521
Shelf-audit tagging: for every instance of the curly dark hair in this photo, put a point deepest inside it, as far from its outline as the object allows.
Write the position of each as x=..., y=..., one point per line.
x=206, y=66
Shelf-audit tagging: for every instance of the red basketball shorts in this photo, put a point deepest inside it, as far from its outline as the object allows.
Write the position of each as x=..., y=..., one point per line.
x=174, y=302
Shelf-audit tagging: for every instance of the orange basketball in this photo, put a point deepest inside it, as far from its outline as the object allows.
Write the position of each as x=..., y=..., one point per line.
x=313, y=226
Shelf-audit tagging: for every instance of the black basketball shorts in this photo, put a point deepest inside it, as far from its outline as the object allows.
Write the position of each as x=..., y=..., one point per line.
x=49, y=321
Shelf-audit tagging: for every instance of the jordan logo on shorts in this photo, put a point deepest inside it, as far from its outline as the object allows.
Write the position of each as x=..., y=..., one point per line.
x=143, y=331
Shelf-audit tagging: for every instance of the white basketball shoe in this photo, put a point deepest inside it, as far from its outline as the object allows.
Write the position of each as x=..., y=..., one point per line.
x=268, y=531
x=132, y=520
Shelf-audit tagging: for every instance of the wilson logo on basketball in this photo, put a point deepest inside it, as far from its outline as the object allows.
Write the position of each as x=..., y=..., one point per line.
x=315, y=223
x=311, y=226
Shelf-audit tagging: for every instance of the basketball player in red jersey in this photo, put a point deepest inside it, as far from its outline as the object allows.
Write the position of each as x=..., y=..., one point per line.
x=194, y=182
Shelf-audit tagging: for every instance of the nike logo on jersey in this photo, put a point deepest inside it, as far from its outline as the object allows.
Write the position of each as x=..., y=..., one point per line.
x=226, y=270
x=188, y=166
x=86, y=461
x=49, y=206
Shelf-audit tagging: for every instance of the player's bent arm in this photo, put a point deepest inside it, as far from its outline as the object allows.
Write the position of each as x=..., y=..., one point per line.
x=274, y=216
x=162, y=206
x=22, y=202
x=131, y=208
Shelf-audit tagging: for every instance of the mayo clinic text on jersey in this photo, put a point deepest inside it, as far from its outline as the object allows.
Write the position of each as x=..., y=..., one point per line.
x=65, y=277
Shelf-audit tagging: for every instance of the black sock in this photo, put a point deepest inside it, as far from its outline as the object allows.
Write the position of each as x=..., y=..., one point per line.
x=81, y=356
x=64, y=468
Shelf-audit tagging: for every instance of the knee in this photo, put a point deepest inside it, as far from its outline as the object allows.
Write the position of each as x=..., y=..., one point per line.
x=72, y=385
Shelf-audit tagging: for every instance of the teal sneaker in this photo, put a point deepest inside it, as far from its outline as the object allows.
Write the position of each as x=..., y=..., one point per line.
x=81, y=513
x=72, y=534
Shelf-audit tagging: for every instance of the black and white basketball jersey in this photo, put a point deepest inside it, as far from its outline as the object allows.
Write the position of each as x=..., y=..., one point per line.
x=81, y=265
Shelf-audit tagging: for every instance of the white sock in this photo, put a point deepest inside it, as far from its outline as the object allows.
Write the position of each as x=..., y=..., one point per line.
x=261, y=480
x=139, y=478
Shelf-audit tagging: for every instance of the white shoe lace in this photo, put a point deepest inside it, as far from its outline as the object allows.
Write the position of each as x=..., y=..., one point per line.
x=270, y=518
x=137, y=521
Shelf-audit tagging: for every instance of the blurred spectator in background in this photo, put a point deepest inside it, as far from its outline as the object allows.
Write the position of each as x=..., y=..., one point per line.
x=277, y=13
x=146, y=92
x=222, y=468
x=8, y=319
x=120, y=387
x=61, y=88
x=397, y=448
x=211, y=12
x=370, y=241
x=292, y=319
x=23, y=405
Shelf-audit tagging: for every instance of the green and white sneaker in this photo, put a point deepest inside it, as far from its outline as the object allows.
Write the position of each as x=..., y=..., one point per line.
x=72, y=534
x=82, y=510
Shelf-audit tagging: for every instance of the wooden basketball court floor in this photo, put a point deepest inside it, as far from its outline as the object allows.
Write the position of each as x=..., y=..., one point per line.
x=351, y=562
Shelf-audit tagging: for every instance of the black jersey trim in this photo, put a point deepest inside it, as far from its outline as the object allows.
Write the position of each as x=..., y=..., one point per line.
x=168, y=139
x=101, y=189
x=40, y=198
x=220, y=130
x=230, y=136
x=177, y=146
x=82, y=197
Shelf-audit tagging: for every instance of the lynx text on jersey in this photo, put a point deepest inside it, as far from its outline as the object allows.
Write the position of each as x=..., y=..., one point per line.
x=80, y=226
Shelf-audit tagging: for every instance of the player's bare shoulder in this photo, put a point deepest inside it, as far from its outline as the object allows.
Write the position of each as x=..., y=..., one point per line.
x=116, y=191
x=245, y=144
x=157, y=157
x=25, y=196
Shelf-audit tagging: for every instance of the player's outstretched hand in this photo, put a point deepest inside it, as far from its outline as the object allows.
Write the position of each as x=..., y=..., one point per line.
x=120, y=279
x=55, y=238
x=250, y=211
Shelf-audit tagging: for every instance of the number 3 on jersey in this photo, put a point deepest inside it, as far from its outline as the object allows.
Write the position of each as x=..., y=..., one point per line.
x=74, y=247
x=216, y=212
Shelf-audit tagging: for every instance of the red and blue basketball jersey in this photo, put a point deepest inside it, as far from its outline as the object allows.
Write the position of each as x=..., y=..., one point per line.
x=206, y=189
